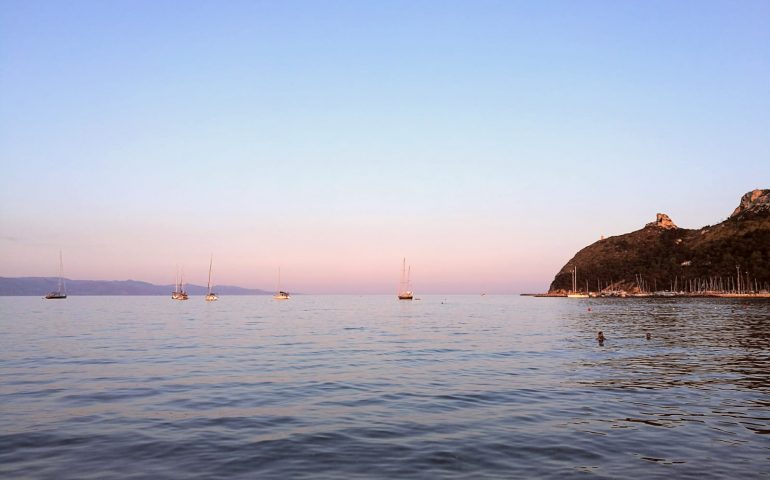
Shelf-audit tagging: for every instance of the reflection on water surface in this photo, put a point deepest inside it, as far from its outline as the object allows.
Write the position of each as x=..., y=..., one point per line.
x=368, y=387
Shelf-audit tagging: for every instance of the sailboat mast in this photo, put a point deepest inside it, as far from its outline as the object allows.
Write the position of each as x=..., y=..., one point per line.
x=402, y=283
x=574, y=279
x=61, y=273
x=211, y=261
x=409, y=277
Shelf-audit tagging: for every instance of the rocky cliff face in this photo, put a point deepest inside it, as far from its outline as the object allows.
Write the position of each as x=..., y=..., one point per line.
x=662, y=221
x=753, y=202
x=656, y=256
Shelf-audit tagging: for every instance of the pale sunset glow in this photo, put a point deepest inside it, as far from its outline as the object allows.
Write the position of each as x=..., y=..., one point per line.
x=486, y=142
x=384, y=239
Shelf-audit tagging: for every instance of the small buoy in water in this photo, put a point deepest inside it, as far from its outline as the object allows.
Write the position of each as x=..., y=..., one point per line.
x=589, y=309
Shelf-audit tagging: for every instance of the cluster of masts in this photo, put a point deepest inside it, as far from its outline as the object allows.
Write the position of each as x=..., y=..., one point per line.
x=742, y=284
x=179, y=292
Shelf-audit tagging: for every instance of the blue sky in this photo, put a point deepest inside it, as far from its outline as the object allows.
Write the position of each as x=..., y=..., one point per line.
x=485, y=141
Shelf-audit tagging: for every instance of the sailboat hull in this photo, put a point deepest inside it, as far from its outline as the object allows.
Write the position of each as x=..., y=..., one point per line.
x=212, y=297
x=56, y=296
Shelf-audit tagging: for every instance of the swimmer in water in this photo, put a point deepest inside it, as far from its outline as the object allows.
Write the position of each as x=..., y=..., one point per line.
x=600, y=337
x=648, y=336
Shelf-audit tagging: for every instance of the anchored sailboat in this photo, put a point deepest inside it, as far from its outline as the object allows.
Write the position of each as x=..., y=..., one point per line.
x=280, y=294
x=60, y=292
x=574, y=293
x=405, y=287
x=179, y=292
x=210, y=296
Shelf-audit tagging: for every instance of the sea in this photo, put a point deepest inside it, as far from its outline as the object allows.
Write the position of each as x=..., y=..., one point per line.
x=369, y=387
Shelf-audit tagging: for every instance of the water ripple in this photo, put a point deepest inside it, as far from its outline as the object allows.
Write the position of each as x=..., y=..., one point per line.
x=367, y=387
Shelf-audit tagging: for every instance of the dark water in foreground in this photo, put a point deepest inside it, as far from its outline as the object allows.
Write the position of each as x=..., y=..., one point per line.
x=367, y=387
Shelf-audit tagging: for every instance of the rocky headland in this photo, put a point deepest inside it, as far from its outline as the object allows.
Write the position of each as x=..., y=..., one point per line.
x=730, y=257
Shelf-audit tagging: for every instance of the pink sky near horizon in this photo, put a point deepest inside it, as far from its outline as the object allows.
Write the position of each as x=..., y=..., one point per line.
x=360, y=265
x=450, y=253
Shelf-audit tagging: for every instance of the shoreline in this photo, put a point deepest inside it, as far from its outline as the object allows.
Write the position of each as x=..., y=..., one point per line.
x=654, y=295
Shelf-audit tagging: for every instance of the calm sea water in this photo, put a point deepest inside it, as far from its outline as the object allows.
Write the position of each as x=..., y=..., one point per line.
x=369, y=387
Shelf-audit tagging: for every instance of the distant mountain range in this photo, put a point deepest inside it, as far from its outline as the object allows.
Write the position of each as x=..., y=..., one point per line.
x=28, y=286
x=662, y=256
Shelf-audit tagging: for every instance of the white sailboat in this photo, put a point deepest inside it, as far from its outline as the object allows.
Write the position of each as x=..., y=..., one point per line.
x=574, y=293
x=179, y=292
x=61, y=292
x=210, y=296
x=405, y=287
x=280, y=294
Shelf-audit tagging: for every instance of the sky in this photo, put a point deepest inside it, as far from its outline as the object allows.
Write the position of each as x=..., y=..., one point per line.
x=484, y=141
